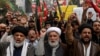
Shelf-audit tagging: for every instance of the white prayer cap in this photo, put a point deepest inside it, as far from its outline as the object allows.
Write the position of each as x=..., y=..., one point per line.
x=56, y=29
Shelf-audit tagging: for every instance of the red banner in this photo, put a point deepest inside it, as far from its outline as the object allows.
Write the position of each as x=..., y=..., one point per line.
x=98, y=2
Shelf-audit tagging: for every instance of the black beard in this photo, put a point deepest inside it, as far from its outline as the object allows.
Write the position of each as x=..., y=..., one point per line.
x=97, y=32
x=85, y=41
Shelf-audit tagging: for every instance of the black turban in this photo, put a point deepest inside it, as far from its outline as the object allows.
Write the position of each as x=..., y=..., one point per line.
x=20, y=29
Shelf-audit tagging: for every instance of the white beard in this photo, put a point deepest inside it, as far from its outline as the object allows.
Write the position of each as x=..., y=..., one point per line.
x=55, y=44
x=18, y=44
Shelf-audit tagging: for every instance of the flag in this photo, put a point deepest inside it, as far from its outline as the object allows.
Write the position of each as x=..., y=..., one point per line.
x=12, y=6
x=44, y=12
x=3, y=3
x=60, y=12
x=98, y=3
x=45, y=8
x=37, y=9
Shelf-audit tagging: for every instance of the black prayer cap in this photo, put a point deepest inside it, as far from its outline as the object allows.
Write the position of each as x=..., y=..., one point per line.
x=21, y=29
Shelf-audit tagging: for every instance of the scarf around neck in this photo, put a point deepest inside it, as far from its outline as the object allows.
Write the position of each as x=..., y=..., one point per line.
x=10, y=49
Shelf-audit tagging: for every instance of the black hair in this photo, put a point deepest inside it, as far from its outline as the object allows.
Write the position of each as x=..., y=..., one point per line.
x=81, y=27
x=95, y=21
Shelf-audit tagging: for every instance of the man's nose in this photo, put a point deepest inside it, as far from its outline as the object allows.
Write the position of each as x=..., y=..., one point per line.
x=19, y=36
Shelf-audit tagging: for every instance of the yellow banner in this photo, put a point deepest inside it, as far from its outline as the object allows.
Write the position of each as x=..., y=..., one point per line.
x=69, y=10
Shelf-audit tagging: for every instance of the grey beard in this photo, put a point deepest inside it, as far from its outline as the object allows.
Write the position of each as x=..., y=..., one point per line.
x=55, y=44
x=18, y=44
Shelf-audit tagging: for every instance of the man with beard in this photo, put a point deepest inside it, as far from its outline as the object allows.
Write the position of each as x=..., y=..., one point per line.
x=96, y=34
x=17, y=45
x=84, y=46
x=53, y=47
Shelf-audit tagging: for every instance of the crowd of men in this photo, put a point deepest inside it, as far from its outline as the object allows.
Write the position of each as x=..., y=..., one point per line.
x=19, y=35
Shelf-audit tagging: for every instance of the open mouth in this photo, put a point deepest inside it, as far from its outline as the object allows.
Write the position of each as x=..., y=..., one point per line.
x=52, y=41
x=17, y=41
x=31, y=37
